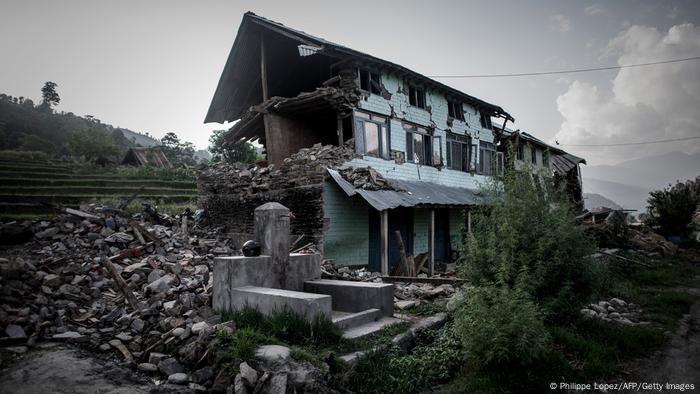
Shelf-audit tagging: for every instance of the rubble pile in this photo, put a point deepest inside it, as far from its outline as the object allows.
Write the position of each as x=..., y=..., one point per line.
x=614, y=310
x=230, y=193
x=331, y=271
x=305, y=167
x=149, y=303
x=409, y=295
x=365, y=178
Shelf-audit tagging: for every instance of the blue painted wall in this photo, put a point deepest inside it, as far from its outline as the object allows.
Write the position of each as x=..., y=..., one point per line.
x=399, y=106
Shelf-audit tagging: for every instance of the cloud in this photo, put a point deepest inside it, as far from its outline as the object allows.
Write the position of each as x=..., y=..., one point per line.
x=559, y=23
x=595, y=9
x=645, y=103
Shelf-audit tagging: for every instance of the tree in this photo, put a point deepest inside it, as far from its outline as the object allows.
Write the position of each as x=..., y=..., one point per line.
x=230, y=151
x=49, y=95
x=178, y=152
x=672, y=208
x=92, y=144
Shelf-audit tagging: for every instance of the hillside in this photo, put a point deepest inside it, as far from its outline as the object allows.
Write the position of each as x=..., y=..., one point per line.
x=594, y=200
x=33, y=188
x=24, y=126
x=629, y=183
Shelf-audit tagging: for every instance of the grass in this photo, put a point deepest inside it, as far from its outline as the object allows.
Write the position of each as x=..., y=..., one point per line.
x=426, y=309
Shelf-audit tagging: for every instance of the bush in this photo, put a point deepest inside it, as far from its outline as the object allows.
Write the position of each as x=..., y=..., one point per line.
x=500, y=326
x=672, y=209
x=524, y=237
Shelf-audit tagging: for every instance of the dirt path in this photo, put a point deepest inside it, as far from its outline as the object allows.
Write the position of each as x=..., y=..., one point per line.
x=63, y=369
x=679, y=361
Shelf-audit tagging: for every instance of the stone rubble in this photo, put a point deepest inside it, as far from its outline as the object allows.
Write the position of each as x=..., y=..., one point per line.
x=614, y=310
x=56, y=287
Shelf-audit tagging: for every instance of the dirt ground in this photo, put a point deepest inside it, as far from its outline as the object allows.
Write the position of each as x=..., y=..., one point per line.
x=679, y=361
x=63, y=369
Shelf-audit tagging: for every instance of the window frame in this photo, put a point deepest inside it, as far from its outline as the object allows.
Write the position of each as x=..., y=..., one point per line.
x=520, y=152
x=533, y=155
x=372, y=89
x=383, y=127
x=433, y=141
x=455, y=110
x=545, y=158
x=465, y=142
x=414, y=93
x=493, y=166
x=485, y=121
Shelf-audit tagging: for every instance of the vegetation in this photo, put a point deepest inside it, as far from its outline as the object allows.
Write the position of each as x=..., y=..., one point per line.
x=49, y=95
x=672, y=208
x=178, y=152
x=231, y=151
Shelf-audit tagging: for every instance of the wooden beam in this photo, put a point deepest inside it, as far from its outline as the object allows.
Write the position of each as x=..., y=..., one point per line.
x=263, y=68
x=413, y=279
x=340, y=131
x=384, y=241
x=431, y=243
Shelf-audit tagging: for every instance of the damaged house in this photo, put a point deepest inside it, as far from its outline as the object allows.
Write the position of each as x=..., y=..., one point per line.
x=545, y=159
x=359, y=148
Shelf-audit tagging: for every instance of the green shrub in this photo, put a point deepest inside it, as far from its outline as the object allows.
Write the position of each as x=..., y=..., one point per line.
x=672, y=208
x=243, y=342
x=524, y=236
x=500, y=326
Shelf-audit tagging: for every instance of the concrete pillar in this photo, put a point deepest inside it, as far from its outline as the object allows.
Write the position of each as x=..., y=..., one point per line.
x=272, y=231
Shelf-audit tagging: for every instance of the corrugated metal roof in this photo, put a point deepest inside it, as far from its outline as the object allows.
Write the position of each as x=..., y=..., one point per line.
x=564, y=163
x=414, y=193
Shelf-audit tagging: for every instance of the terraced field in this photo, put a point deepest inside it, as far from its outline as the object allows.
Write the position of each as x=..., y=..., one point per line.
x=31, y=189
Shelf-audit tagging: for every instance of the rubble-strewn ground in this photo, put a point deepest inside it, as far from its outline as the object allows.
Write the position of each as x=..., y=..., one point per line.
x=63, y=369
x=58, y=287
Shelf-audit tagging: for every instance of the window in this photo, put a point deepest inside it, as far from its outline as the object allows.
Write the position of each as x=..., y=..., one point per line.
x=520, y=154
x=371, y=135
x=533, y=155
x=545, y=159
x=485, y=120
x=455, y=110
x=421, y=146
x=370, y=82
x=416, y=97
x=490, y=161
x=459, y=152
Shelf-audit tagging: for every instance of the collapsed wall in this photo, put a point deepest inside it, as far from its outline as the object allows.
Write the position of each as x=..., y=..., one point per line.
x=229, y=193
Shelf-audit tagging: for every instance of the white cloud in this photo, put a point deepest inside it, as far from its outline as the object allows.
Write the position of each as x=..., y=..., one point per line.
x=595, y=9
x=645, y=103
x=559, y=23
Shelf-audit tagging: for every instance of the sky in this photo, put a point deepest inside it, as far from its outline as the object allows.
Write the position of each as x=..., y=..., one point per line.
x=152, y=66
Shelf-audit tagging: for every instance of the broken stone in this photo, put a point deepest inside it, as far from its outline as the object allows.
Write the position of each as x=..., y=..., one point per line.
x=239, y=385
x=178, y=378
x=272, y=352
x=170, y=366
x=406, y=304
x=198, y=327
x=70, y=336
x=249, y=375
x=15, y=331
x=277, y=384
x=147, y=368
x=156, y=358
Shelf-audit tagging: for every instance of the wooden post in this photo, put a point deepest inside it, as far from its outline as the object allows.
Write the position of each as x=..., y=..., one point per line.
x=384, y=240
x=340, y=132
x=431, y=243
x=263, y=69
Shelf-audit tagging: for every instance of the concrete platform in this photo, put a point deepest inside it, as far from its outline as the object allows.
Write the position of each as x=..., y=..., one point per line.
x=351, y=296
x=268, y=300
x=347, y=320
x=370, y=328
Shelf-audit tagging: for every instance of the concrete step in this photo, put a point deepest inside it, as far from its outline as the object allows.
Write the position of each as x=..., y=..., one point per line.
x=370, y=328
x=346, y=320
x=350, y=296
x=268, y=300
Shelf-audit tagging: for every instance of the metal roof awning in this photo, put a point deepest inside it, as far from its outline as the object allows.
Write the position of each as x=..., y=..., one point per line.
x=412, y=194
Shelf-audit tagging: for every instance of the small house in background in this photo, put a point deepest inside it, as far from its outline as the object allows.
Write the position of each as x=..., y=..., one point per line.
x=542, y=157
x=141, y=157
